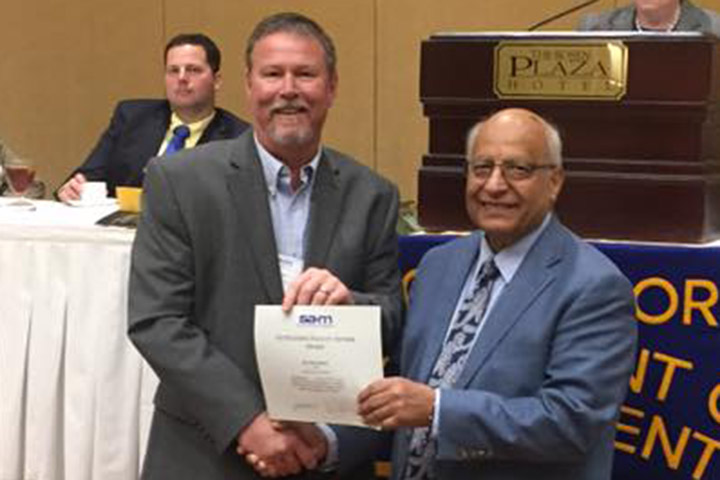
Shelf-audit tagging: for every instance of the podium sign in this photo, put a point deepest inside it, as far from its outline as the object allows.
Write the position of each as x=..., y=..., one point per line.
x=554, y=70
x=638, y=113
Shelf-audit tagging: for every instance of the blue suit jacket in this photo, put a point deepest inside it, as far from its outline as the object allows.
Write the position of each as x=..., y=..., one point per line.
x=542, y=386
x=135, y=133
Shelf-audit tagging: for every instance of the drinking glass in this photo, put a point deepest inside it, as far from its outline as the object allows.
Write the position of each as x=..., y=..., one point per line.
x=20, y=176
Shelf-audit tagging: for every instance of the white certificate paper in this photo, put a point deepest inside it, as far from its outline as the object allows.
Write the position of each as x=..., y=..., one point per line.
x=315, y=360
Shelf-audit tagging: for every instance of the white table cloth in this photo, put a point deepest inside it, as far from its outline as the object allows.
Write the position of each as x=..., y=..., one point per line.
x=75, y=396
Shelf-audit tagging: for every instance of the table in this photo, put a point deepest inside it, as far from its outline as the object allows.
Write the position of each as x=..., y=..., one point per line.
x=75, y=395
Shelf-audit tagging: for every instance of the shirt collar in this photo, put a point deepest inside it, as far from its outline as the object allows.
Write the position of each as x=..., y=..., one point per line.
x=509, y=259
x=195, y=127
x=275, y=169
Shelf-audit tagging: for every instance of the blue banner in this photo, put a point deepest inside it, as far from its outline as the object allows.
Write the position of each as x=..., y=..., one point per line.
x=669, y=427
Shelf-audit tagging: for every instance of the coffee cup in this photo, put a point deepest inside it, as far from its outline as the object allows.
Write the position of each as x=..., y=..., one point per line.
x=93, y=192
x=129, y=198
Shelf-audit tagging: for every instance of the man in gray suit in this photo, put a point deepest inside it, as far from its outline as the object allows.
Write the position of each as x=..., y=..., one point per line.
x=655, y=16
x=230, y=225
x=520, y=338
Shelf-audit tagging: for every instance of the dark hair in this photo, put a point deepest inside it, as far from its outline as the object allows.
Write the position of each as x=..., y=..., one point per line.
x=212, y=52
x=291, y=22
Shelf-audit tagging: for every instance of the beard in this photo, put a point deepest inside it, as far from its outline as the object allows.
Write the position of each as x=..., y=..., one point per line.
x=291, y=136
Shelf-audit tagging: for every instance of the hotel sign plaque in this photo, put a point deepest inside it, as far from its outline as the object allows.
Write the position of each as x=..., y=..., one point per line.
x=578, y=70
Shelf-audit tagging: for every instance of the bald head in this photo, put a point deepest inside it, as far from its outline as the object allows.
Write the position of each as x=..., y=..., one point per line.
x=528, y=121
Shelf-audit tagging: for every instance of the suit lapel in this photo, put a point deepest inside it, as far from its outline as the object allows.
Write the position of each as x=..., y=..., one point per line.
x=691, y=18
x=149, y=139
x=624, y=20
x=325, y=209
x=446, y=289
x=248, y=192
x=215, y=129
x=532, y=278
x=143, y=142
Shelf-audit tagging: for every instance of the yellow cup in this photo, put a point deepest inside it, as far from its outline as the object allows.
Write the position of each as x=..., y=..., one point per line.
x=129, y=198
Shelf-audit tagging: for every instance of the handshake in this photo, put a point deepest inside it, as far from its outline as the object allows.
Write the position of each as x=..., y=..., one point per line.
x=276, y=449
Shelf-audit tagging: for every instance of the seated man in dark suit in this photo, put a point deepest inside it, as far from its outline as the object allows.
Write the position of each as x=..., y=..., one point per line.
x=655, y=16
x=141, y=129
x=520, y=338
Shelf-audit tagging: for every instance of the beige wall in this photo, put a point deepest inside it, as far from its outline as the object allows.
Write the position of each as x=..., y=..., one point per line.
x=65, y=64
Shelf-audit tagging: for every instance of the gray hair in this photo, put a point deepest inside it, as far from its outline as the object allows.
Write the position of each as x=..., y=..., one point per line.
x=291, y=22
x=553, y=143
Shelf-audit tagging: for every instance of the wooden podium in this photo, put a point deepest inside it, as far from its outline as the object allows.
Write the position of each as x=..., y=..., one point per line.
x=645, y=166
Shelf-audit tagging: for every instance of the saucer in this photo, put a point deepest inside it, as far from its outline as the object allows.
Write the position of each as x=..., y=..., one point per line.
x=100, y=202
x=14, y=204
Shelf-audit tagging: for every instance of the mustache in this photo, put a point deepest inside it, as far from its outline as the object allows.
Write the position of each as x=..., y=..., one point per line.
x=279, y=107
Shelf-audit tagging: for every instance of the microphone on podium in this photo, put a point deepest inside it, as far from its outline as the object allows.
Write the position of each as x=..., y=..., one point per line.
x=560, y=15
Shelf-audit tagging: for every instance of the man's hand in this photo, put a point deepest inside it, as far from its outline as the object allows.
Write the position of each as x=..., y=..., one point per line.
x=316, y=286
x=72, y=188
x=312, y=436
x=396, y=402
x=276, y=450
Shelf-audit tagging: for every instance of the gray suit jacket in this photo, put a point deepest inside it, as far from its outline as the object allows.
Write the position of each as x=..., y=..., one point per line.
x=692, y=19
x=541, y=389
x=205, y=255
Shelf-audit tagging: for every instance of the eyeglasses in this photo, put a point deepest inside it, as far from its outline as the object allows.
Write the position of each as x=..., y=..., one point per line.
x=511, y=171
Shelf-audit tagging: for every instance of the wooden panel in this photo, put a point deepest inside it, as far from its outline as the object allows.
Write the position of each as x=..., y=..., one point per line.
x=64, y=65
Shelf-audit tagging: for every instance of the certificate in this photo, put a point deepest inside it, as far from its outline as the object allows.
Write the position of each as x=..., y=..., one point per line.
x=314, y=360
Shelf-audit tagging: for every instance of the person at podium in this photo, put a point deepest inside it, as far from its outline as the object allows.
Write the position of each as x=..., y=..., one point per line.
x=655, y=16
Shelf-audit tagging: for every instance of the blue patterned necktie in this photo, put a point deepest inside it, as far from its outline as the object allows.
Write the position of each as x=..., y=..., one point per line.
x=177, y=142
x=449, y=364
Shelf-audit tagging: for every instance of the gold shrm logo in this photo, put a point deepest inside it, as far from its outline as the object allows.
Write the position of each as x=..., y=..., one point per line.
x=580, y=70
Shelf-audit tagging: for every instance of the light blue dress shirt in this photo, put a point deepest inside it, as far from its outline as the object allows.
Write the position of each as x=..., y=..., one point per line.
x=289, y=210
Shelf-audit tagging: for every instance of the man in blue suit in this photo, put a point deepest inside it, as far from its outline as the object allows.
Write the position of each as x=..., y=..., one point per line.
x=520, y=338
x=142, y=129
